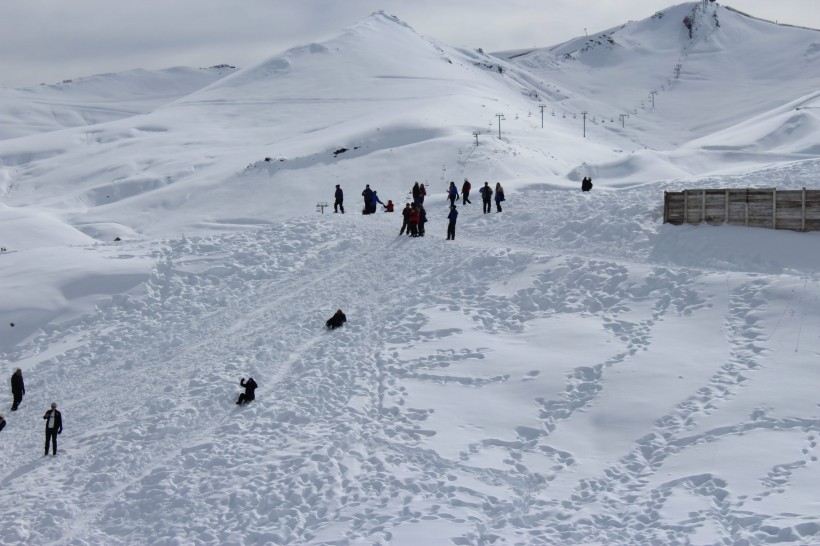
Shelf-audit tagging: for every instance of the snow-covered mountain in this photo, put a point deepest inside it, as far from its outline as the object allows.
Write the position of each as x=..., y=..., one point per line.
x=567, y=371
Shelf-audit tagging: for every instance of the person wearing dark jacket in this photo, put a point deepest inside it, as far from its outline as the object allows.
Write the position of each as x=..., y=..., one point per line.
x=2, y=422
x=586, y=184
x=486, y=196
x=18, y=388
x=465, y=192
x=336, y=320
x=367, y=195
x=54, y=426
x=405, y=223
x=250, y=387
x=451, y=227
x=340, y=197
x=415, y=193
x=499, y=196
x=422, y=220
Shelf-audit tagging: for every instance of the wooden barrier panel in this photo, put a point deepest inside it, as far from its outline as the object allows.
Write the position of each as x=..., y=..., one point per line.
x=797, y=210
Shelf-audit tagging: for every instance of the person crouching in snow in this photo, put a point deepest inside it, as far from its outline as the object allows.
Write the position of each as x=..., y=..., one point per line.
x=250, y=386
x=389, y=206
x=336, y=320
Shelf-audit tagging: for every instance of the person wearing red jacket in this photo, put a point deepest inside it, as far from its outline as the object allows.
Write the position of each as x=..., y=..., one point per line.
x=413, y=220
x=465, y=192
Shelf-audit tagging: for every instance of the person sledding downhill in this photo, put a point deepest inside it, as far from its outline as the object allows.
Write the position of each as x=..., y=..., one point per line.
x=249, y=394
x=336, y=320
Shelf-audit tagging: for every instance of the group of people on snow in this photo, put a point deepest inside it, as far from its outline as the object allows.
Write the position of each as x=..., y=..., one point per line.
x=52, y=417
x=414, y=215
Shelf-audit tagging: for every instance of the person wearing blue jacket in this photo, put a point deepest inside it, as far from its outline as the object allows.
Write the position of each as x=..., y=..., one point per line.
x=340, y=197
x=452, y=193
x=451, y=227
x=374, y=200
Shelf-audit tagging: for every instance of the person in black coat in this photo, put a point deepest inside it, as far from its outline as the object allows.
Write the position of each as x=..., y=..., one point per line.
x=367, y=195
x=336, y=320
x=249, y=394
x=18, y=388
x=486, y=196
x=54, y=426
x=2, y=422
x=586, y=184
x=339, y=199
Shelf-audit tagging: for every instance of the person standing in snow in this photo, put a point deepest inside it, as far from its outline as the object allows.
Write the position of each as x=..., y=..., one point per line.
x=413, y=221
x=465, y=192
x=486, y=196
x=422, y=220
x=405, y=224
x=18, y=388
x=374, y=201
x=54, y=426
x=336, y=320
x=249, y=394
x=451, y=226
x=339, y=199
x=367, y=195
x=422, y=194
x=415, y=192
x=452, y=193
x=499, y=196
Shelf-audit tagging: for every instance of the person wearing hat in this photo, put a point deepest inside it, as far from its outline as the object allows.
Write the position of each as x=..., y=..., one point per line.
x=18, y=388
x=54, y=426
x=340, y=197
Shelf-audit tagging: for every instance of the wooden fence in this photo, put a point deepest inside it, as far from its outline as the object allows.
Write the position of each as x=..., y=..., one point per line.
x=797, y=210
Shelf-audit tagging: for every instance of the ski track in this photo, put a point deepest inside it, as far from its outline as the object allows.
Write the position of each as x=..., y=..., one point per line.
x=330, y=453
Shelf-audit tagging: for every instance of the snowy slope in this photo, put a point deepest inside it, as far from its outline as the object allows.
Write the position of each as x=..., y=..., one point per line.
x=702, y=84
x=567, y=371
x=97, y=99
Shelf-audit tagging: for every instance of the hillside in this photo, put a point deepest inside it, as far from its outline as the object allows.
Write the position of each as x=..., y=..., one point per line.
x=568, y=371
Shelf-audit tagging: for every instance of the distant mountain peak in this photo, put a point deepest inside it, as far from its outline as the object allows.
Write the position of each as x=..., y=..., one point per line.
x=703, y=19
x=387, y=17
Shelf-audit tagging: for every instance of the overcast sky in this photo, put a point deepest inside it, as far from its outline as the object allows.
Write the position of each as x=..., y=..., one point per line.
x=52, y=40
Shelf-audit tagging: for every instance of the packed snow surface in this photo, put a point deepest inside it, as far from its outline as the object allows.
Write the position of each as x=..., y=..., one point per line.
x=569, y=370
